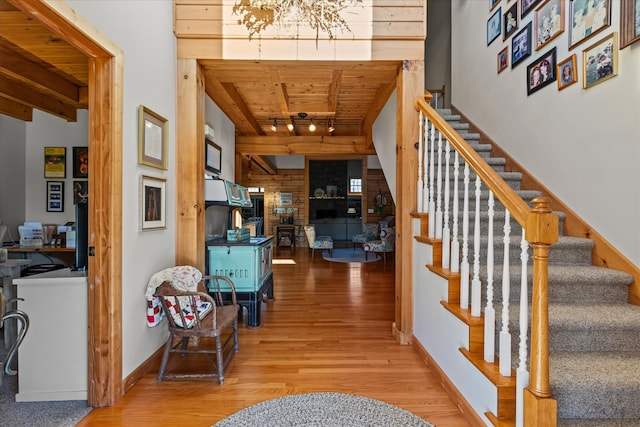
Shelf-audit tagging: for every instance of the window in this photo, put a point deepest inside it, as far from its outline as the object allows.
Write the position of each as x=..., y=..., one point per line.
x=355, y=185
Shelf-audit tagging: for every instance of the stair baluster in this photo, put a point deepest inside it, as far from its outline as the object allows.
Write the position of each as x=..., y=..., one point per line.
x=439, y=190
x=489, y=311
x=464, y=266
x=420, y=187
x=455, y=244
x=476, y=301
x=446, y=233
x=432, y=205
x=505, y=335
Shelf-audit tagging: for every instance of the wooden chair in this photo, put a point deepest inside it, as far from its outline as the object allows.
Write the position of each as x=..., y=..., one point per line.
x=215, y=312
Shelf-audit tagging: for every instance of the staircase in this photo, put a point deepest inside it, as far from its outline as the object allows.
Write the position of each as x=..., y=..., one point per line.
x=594, y=333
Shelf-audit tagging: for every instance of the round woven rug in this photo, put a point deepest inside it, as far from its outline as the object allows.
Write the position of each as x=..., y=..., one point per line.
x=323, y=409
x=349, y=255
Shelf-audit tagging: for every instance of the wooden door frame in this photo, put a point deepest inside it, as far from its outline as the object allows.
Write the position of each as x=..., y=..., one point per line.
x=105, y=188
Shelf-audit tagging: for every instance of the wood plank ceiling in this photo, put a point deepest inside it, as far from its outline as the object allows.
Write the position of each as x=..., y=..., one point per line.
x=38, y=69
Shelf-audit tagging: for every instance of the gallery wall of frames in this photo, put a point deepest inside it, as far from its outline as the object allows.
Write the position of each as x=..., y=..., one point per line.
x=529, y=30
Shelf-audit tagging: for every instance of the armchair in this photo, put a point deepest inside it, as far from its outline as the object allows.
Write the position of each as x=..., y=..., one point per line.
x=318, y=242
x=196, y=314
x=386, y=243
x=369, y=232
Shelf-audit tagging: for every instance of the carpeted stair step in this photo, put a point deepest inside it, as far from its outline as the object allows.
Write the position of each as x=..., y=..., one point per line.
x=496, y=163
x=596, y=385
x=565, y=422
x=567, y=250
x=575, y=284
x=498, y=224
x=511, y=178
x=594, y=328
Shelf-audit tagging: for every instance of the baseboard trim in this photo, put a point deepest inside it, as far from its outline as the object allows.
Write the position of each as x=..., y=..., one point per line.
x=152, y=363
x=463, y=406
x=604, y=253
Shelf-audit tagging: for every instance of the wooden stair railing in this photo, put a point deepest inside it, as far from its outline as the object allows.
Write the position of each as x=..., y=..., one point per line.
x=541, y=230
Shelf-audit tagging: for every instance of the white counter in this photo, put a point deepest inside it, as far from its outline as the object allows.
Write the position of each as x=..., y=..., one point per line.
x=52, y=360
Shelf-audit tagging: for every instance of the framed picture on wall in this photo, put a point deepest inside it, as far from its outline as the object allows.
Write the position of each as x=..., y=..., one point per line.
x=55, y=196
x=510, y=21
x=567, y=72
x=494, y=26
x=629, y=22
x=541, y=72
x=80, y=162
x=586, y=19
x=600, y=61
x=152, y=138
x=212, y=156
x=153, y=204
x=521, y=45
x=527, y=6
x=548, y=22
x=55, y=160
x=80, y=191
x=503, y=59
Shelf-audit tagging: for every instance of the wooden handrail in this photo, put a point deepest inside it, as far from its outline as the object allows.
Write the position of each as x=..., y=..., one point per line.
x=507, y=195
x=541, y=230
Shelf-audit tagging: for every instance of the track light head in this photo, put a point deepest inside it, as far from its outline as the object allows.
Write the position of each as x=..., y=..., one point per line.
x=330, y=127
x=274, y=126
x=290, y=126
x=312, y=127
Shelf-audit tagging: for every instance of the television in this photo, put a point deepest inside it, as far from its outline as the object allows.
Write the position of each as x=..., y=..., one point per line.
x=82, y=235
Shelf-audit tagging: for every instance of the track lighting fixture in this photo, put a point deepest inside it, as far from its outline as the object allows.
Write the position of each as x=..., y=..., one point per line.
x=292, y=121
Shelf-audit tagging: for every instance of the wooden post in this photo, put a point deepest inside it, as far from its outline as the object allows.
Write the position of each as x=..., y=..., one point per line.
x=410, y=84
x=190, y=228
x=540, y=409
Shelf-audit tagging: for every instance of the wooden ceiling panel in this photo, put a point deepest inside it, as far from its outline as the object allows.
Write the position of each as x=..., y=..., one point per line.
x=38, y=69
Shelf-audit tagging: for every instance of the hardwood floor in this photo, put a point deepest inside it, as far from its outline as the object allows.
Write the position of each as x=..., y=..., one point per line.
x=328, y=329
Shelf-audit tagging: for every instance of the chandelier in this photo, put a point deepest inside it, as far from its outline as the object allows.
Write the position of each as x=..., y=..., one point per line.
x=320, y=15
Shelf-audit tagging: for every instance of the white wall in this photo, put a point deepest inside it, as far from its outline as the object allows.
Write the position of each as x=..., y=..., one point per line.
x=143, y=30
x=582, y=144
x=224, y=136
x=50, y=131
x=384, y=139
x=12, y=178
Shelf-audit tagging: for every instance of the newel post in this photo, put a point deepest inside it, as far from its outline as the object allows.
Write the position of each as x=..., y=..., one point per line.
x=540, y=409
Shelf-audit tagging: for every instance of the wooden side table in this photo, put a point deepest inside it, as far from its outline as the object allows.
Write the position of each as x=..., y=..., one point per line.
x=288, y=231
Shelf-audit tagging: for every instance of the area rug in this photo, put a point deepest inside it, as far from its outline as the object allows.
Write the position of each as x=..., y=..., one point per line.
x=323, y=409
x=349, y=255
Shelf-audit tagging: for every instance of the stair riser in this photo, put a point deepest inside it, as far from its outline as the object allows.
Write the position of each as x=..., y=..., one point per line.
x=585, y=292
x=591, y=339
x=601, y=402
x=559, y=254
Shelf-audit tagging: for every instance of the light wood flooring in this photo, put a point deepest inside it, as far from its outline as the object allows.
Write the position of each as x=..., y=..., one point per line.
x=328, y=329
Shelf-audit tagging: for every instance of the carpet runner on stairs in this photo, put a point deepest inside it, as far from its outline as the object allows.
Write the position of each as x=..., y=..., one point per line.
x=594, y=333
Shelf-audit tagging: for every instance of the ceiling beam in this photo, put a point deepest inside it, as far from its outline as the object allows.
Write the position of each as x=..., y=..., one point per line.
x=334, y=90
x=32, y=74
x=264, y=164
x=17, y=110
x=302, y=145
x=238, y=112
x=20, y=92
